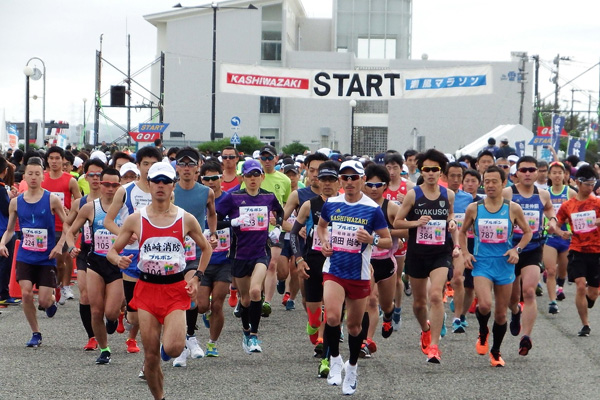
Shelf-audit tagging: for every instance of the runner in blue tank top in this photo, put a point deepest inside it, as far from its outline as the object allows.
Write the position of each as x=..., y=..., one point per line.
x=535, y=204
x=493, y=257
x=36, y=263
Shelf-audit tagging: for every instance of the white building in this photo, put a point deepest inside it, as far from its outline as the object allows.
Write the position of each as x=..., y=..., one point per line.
x=363, y=34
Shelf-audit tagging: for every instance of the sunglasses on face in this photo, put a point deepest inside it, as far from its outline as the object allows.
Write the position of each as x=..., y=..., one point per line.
x=94, y=174
x=504, y=166
x=374, y=185
x=211, y=178
x=232, y=157
x=253, y=174
x=350, y=177
x=527, y=169
x=162, y=179
x=110, y=184
x=171, y=159
x=431, y=169
x=587, y=182
x=187, y=164
x=267, y=158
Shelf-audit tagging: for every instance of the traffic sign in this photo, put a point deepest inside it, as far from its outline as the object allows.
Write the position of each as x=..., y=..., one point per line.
x=236, y=121
x=235, y=139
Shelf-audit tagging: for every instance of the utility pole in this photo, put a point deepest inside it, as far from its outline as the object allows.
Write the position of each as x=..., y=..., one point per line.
x=536, y=115
x=556, y=86
x=523, y=82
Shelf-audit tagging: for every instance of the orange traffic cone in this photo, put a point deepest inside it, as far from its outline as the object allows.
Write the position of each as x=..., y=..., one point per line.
x=14, y=290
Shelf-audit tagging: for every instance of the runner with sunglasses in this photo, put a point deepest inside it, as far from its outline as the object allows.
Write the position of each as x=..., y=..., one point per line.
x=104, y=280
x=535, y=204
x=428, y=213
x=357, y=223
x=230, y=157
x=581, y=212
x=198, y=200
x=162, y=295
x=249, y=210
x=557, y=248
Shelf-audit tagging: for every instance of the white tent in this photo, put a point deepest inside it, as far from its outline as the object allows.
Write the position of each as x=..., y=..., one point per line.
x=512, y=132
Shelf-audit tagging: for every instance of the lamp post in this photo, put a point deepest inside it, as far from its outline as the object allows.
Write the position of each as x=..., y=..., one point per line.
x=215, y=7
x=35, y=75
x=82, y=140
x=28, y=71
x=352, y=107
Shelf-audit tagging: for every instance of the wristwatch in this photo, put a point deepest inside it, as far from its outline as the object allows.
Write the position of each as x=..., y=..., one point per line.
x=375, y=240
x=199, y=274
x=519, y=250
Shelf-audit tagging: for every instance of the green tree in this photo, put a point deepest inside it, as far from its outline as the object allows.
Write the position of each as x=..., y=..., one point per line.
x=294, y=148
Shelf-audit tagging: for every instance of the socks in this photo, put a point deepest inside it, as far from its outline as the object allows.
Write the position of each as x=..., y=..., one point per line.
x=332, y=335
x=354, y=342
x=483, y=321
x=245, y=317
x=191, y=318
x=255, y=312
x=85, y=312
x=498, y=332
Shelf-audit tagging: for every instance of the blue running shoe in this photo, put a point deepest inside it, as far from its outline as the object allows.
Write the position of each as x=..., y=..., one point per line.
x=36, y=340
x=281, y=287
x=50, y=311
x=457, y=326
x=211, y=350
x=451, y=305
x=444, y=329
x=254, y=344
x=397, y=318
x=463, y=321
x=104, y=358
x=164, y=356
x=290, y=305
x=206, y=320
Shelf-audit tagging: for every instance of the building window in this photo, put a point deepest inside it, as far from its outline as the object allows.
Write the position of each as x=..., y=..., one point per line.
x=370, y=140
x=374, y=48
x=271, y=33
x=270, y=105
x=270, y=136
x=371, y=107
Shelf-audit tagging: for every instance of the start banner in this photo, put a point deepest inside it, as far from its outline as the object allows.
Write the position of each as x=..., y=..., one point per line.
x=355, y=84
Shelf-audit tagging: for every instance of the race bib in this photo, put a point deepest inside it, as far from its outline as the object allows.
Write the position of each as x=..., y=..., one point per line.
x=291, y=220
x=433, y=233
x=584, y=221
x=61, y=196
x=460, y=220
x=343, y=237
x=190, y=247
x=492, y=230
x=259, y=218
x=35, y=239
x=103, y=241
x=160, y=264
x=223, y=238
x=87, y=233
x=316, y=243
x=533, y=220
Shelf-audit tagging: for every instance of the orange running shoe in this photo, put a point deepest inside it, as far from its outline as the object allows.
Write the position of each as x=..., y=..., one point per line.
x=91, y=345
x=120, y=326
x=285, y=298
x=233, y=299
x=425, y=341
x=482, y=344
x=473, y=306
x=496, y=359
x=132, y=346
x=433, y=354
x=371, y=345
x=449, y=290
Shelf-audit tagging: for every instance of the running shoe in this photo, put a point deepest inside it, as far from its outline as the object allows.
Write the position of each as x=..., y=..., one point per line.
x=351, y=379
x=590, y=301
x=473, y=306
x=11, y=301
x=444, y=329
x=285, y=298
x=246, y=343
x=515, y=322
x=111, y=326
x=457, y=326
x=323, y=368
x=121, y=326
x=553, y=307
x=206, y=319
x=254, y=344
x=318, y=348
x=50, y=311
x=482, y=344
x=104, y=357
x=192, y=344
x=397, y=319
x=386, y=329
x=237, y=312
x=463, y=321
x=35, y=341
x=434, y=355
x=68, y=293
x=538, y=290
x=451, y=304
x=164, y=356
x=449, y=290
x=290, y=305
x=266, y=309
x=59, y=293
x=313, y=333
x=496, y=359
x=233, y=298
x=364, y=351
x=407, y=288
x=132, y=346
x=560, y=294
x=425, y=341
x=525, y=345
x=211, y=350
x=585, y=331
x=181, y=361
x=142, y=374
x=336, y=365
x=91, y=345
x=281, y=287
x=371, y=345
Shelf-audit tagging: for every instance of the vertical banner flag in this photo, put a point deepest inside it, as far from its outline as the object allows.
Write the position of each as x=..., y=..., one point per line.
x=576, y=147
x=520, y=148
x=558, y=123
x=13, y=137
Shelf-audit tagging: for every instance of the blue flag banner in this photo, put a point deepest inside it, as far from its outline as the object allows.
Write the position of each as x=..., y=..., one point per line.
x=576, y=147
x=558, y=123
x=520, y=148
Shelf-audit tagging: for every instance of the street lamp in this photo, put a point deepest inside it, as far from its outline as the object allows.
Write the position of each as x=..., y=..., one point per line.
x=28, y=71
x=214, y=7
x=82, y=140
x=35, y=75
x=352, y=107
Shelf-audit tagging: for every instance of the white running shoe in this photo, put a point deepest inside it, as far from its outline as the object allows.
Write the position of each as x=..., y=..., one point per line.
x=194, y=348
x=68, y=293
x=336, y=365
x=255, y=345
x=63, y=296
x=181, y=361
x=351, y=379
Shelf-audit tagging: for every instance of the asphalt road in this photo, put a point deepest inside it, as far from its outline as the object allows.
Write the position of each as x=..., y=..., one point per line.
x=560, y=365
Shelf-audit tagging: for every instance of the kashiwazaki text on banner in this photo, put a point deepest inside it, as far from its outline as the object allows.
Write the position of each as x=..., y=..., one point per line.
x=359, y=84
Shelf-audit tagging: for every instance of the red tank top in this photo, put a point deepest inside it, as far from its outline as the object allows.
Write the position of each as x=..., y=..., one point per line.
x=392, y=195
x=162, y=249
x=60, y=188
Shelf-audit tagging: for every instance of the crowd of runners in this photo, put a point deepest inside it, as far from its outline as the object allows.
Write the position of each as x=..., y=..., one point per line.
x=163, y=239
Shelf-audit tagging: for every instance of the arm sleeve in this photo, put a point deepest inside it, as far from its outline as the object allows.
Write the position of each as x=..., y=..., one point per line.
x=294, y=239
